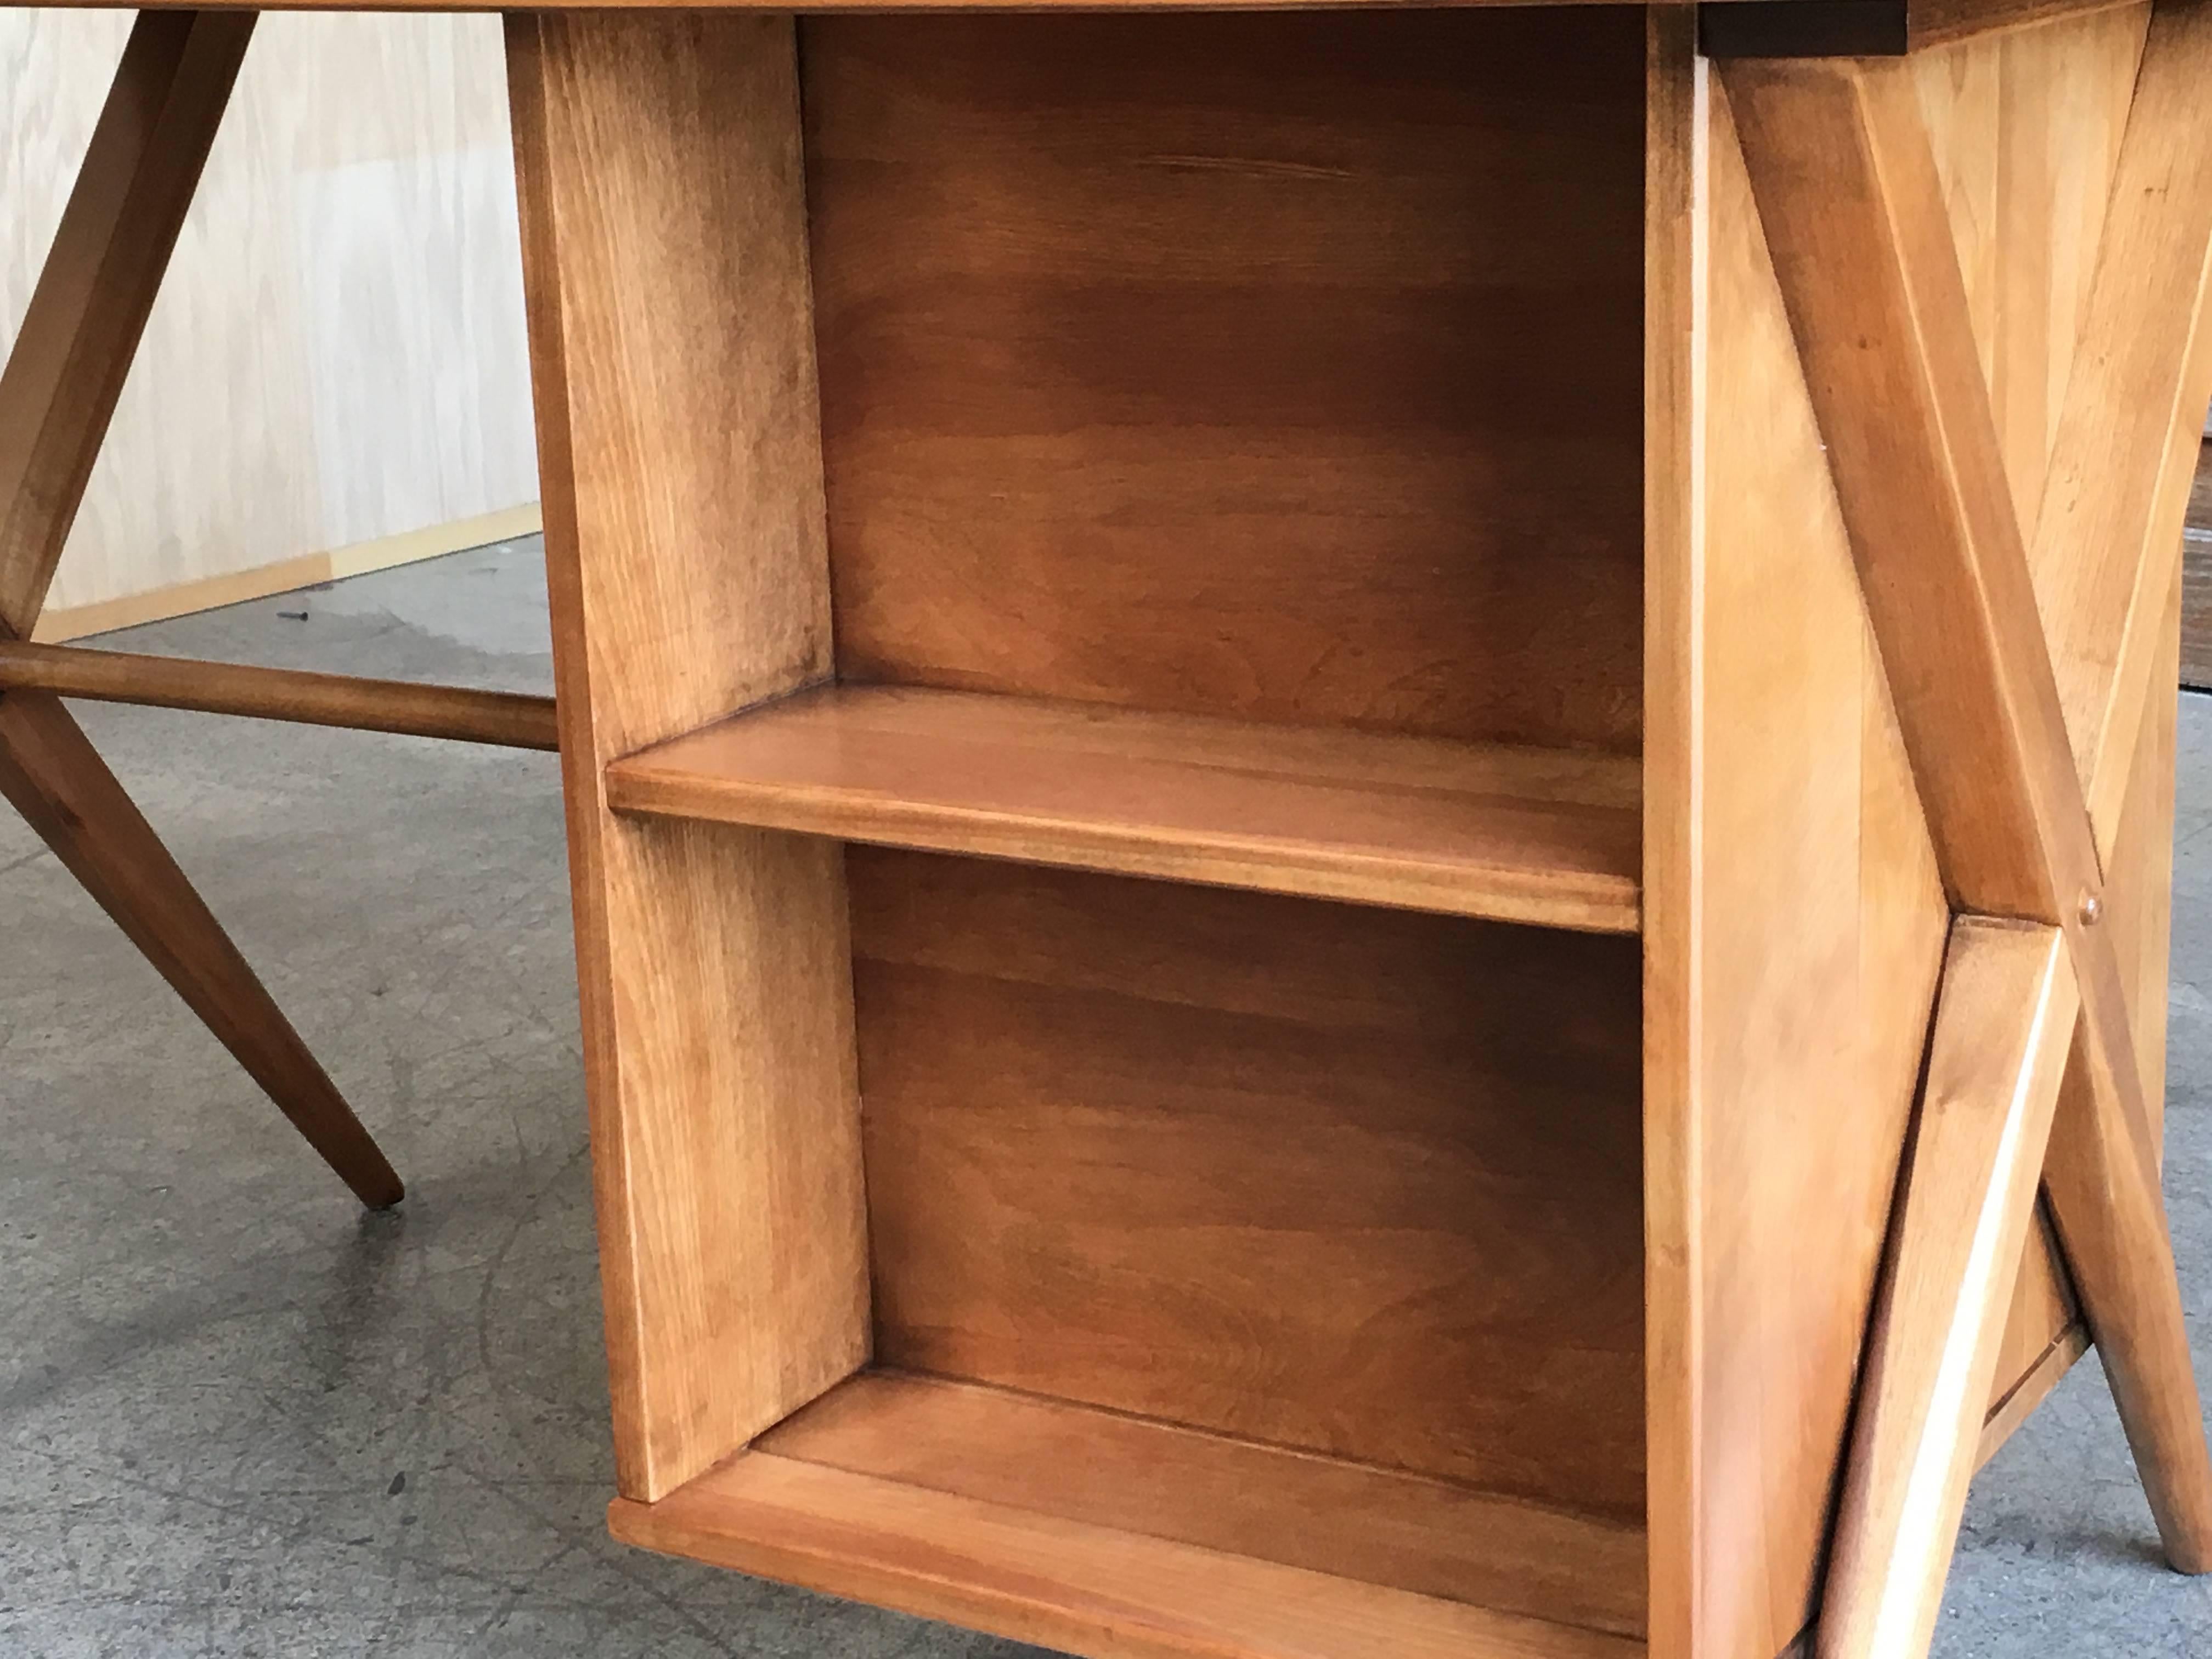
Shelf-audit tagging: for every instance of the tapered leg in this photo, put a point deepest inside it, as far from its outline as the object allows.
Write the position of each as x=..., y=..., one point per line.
x=56, y=780
x=2111, y=1221
x=57, y=391
x=2003, y=1029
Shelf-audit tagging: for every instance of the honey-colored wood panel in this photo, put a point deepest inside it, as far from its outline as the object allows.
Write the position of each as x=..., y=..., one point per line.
x=1794, y=922
x=1043, y=1579
x=1292, y=1508
x=1515, y=834
x=2032, y=1388
x=2139, y=884
x=2026, y=129
x=1281, y=366
x=2043, y=1311
x=299, y=389
x=1365, y=1183
x=659, y=164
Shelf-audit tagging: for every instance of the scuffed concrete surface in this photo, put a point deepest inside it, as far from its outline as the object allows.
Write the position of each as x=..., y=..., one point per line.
x=239, y=1418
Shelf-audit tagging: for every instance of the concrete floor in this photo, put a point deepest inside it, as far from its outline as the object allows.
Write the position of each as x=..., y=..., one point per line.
x=239, y=1418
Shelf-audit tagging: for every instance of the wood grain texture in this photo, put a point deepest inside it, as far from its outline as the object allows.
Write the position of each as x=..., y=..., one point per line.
x=2111, y=1213
x=1175, y=363
x=1074, y=1586
x=2107, y=546
x=1786, y=869
x=298, y=389
x=54, y=777
x=2004, y=1026
x=1245, y=1500
x=2026, y=127
x=1941, y=22
x=97, y=284
x=1919, y=468
x=2019, y=1401
x=429, y=711
x=2044, y=1309
x=1516, y=834
x=1854, y=214
x=659, y=168
x=1364, y=1182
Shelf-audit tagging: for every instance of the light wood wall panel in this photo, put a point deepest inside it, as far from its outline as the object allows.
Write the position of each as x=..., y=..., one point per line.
x=338, y=355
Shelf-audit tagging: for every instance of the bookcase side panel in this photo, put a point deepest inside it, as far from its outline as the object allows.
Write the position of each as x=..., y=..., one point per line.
x=1793, y=921
x=672, y=351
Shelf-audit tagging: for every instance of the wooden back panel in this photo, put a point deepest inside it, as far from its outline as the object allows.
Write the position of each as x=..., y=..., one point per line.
x=1364, y=1181
x=1284, y=367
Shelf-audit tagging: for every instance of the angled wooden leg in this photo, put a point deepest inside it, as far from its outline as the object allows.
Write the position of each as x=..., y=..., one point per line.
x=2112, y=1224
x=55, y=779
x=2010, y=761
x=2106, y=557
x=2002, y=1028
x=81, y=328
x=58, y=392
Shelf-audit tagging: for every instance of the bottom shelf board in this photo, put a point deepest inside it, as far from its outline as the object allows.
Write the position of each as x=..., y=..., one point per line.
x=1552, y=837
x=1115, y=1536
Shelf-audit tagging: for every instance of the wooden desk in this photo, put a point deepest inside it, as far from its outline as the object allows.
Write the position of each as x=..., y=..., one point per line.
x=1353, y=795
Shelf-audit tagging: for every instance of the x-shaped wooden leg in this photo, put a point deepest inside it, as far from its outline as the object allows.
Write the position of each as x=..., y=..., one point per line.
x=57, y=395
x=2020, y=676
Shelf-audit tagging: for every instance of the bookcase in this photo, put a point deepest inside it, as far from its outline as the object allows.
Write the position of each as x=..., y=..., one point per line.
x=1261, y=881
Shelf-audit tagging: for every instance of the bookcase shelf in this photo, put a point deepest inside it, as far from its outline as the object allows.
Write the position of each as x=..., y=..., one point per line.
x=1051, y=1520
x=1512, y=834
x=1256, y=933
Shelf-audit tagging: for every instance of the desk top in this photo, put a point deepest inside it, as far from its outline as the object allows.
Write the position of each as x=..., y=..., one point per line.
x=1753, y=28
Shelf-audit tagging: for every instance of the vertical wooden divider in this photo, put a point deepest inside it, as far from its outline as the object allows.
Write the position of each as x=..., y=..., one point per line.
x=671, y=338
x=1794, y=923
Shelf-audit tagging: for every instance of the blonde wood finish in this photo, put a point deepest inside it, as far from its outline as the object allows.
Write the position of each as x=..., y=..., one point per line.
x=298, y=387
x=1072, y=1585
x=1772, y=1144
x=1261, y=1503
x=1854, y=215
x=1516, y=835
x=1941, y=22
x=2105, y=554
x=1167, y=363
x=2026, y=126
x=1358, y=1180
x=1912, y=444
x=277, y=693
x=81, y=331
x=659, y=168
x=2020, y=1399
x=2044, y=1309
x=2004, y=1025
